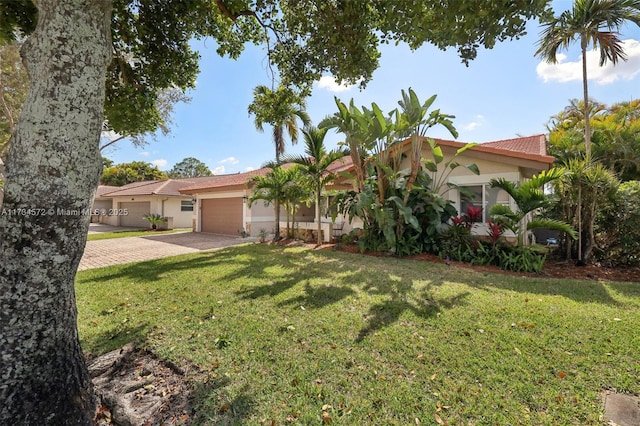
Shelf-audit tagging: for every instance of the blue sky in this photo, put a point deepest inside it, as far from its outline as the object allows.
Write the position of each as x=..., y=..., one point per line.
x=504, y=93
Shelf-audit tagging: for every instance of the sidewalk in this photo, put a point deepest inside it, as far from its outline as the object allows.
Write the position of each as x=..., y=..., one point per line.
x=118, y=251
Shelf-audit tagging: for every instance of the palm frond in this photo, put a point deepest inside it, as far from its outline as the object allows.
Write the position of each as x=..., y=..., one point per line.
x=554, y=225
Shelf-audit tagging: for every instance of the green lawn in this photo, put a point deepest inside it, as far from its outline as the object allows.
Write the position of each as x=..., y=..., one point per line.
x=125, y=234
x=283, y=334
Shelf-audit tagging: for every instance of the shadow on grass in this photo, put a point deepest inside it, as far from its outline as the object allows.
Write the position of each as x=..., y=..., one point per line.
x=581, y=291
x=402, y=296
x=115, y=338
x=319, y=296
x=214, y=407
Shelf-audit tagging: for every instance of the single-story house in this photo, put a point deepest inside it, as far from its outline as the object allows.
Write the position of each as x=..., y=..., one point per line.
x=127, y=205
x=221, y=204
x=516, y=160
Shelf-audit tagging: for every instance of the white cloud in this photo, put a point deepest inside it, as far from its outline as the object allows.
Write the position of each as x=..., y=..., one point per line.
x=329, y=82
x=572, y=71
x=229, y=160
x=145, y=153
x=249, y=169
x=218, y=170
x=478, y=121
x=161, y=162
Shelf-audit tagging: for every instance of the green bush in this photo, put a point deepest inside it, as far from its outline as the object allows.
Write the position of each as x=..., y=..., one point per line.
x=618, y=227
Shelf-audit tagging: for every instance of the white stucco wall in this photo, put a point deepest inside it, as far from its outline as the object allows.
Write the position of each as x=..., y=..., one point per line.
x=165, y=206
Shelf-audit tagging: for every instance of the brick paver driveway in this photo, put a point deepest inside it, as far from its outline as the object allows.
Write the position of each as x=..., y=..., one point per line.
x=118, y=251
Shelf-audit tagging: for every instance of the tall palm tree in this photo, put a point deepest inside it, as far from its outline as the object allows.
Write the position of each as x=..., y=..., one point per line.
x=315, y=164
x=281, y=108
x=592, y=22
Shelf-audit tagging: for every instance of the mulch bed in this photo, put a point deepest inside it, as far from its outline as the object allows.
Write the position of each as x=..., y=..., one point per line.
x=553, y=268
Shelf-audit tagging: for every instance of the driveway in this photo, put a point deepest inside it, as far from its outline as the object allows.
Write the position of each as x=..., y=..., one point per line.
x=117, y=251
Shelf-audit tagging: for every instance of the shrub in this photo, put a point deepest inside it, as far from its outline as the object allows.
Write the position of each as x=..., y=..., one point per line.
x=155, y=219
x=618, y=227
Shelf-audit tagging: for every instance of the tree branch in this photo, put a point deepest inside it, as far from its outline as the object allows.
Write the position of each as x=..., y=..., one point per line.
x=108, y=144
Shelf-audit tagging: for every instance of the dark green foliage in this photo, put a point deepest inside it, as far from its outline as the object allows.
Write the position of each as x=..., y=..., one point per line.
x=305, y=39
x=16, y=14
x=189, y=167
x=618, y=227
x=136, y=171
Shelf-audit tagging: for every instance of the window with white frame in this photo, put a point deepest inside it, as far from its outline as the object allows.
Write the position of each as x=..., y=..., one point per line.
x=186, y=206
x=481, y=195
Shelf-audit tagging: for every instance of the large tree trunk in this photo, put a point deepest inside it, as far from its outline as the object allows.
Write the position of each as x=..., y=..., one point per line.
x=52, y=171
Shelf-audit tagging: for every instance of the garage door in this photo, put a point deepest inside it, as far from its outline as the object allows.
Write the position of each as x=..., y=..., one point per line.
x=135, y=214
x=222, y=216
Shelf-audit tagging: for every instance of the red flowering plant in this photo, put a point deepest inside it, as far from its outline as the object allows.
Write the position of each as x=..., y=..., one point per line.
x=474, y=214
x=495, y=231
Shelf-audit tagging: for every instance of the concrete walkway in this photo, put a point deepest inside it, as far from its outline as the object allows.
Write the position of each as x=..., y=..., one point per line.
x=118, y=251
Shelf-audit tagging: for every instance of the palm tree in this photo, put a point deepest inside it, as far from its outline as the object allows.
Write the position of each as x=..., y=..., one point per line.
x=271, y=188
x=592, y=22
x=316, y=164
x=529, y=197
x=579, y=190
x=281, y=109
x=155, y=220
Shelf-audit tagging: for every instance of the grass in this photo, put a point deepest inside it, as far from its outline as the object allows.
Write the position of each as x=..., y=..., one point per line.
x=125, y=234
x=291, y=336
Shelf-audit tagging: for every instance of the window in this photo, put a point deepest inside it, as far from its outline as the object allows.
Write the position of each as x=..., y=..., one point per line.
x=186, y=206
x=481, y=196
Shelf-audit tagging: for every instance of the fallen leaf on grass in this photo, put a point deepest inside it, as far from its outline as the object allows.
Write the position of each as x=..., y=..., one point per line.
x=441, y=421
x=562, y=375
x=326, y=418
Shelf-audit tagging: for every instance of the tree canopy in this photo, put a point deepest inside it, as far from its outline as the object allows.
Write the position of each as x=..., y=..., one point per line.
x=305, y=39
x=136, y=171
x=189, y=167
x=589, y=22
x=616, y=135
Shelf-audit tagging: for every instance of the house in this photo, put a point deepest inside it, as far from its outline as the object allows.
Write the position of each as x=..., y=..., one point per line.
x=516, y=160
x=127, y=205
x=221, y=204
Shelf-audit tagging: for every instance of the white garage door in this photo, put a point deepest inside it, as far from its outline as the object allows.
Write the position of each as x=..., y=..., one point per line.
x=222, y=216
x=136, y=211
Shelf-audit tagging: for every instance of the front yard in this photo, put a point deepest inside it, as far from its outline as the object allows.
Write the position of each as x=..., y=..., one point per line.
x=274, y=335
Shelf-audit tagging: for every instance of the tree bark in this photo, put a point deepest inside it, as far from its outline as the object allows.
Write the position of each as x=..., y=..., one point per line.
x=52, y=172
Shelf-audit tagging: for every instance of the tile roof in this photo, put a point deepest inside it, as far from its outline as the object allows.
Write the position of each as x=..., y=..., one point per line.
x=167, y=187
x=528, y=148
x=536, y=144
x=103, y=189
x=225, y=180
x=236, y=179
